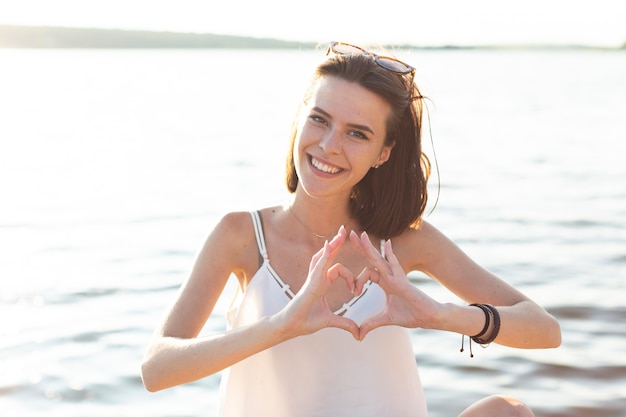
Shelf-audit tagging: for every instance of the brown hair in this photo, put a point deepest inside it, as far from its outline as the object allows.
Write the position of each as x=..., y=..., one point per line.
x=392, y=197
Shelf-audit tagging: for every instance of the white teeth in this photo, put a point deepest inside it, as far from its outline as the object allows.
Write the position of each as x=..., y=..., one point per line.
x=323, y=167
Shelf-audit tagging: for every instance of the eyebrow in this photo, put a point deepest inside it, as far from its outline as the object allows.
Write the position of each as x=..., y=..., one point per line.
x=353, y=125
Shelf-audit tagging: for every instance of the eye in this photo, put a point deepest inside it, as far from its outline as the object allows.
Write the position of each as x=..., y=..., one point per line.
x=358, y=134
x=317, y=119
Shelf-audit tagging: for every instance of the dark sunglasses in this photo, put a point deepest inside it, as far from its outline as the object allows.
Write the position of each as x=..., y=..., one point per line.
x=390, y=64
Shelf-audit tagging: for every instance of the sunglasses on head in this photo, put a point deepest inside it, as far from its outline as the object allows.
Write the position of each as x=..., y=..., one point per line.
x=390, y=64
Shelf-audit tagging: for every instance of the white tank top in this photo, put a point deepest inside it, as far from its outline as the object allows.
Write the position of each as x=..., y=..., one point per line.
x=325, y=374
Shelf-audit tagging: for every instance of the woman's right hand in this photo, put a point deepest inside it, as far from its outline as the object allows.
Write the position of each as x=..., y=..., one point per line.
x=406, y=305
x=308, y=311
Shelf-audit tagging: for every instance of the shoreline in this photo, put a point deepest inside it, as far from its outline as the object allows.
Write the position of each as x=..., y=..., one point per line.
x=53, y=37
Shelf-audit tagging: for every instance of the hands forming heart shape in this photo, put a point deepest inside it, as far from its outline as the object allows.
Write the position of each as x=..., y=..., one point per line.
x=405, y=306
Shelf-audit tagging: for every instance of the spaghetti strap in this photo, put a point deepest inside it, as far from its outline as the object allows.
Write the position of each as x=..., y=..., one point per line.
x=258, y=232
x=264, y=263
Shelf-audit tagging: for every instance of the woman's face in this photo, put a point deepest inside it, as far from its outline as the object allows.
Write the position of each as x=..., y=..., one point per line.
x=341, y=135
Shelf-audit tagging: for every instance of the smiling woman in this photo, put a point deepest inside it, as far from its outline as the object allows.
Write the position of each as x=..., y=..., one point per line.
x=319, y=324
x=339, y=143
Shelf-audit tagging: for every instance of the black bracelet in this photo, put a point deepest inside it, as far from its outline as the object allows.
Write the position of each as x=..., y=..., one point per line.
x=487, y=320
x=495, y=315
x=491, y=314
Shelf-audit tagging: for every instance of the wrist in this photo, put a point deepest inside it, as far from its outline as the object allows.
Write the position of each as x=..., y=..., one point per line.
x=280, y=328
x=489, y=331
x=492, y=324
x=468, y=320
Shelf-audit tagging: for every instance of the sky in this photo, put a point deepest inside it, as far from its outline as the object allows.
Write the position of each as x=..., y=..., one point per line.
x=418, y=22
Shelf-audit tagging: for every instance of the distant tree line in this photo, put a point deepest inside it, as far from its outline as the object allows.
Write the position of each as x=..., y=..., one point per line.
x=60, y=37
x=64, y=37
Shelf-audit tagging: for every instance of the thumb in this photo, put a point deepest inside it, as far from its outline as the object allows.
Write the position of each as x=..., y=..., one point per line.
x=345, y=324
x=371, y=324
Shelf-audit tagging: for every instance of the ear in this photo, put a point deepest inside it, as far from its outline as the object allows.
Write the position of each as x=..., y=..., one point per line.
x=385, y=154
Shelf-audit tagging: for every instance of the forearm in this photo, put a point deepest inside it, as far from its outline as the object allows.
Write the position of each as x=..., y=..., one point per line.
x=172, y=361
x=522, y=325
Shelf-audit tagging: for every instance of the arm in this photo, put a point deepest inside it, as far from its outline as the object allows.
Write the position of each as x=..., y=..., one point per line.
x=172, y=361
x=176, y=355
x=524, y=324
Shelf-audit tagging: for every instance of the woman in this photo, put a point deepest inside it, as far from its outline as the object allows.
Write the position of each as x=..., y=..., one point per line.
x=319, y=327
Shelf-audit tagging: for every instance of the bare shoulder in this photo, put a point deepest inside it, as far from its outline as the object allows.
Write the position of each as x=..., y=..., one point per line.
x=420, y=234
x=237, y=226
x=234, y=228
x=233, y=239
x=419, y=246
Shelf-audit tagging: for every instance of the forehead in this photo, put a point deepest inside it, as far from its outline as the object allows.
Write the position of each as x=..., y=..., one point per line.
x=349, y=102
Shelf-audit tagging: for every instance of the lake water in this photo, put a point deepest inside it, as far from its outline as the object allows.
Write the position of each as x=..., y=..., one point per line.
x=115, y=164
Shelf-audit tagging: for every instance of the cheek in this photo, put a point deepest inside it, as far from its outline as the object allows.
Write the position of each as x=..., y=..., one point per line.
x=298, y=148
x=305, y=137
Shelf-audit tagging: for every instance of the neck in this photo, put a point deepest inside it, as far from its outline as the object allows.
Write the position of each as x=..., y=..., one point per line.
x=321, y=219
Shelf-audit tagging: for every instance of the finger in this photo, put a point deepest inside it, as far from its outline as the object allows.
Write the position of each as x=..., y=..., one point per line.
x=342, y=234
x=389, y=254
x=322, y=258
x=371, y=324
x=315, y=258
x=345, y=324
x=330, y=249
x=356, y=242
x=362, y=244
x=373, y=255
x=367, y=274
x=340, y=271
x=338, y=240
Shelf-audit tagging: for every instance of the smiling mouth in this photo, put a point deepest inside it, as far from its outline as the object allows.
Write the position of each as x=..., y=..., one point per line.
x=320, y=166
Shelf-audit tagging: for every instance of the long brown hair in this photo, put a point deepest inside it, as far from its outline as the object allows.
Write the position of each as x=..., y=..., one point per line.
x=392, y=197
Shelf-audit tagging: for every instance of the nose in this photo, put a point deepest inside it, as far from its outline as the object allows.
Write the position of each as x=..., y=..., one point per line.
x=331, y=142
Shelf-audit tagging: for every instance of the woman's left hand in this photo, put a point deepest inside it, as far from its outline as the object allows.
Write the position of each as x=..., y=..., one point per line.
x=308, y=311
x=406, y=305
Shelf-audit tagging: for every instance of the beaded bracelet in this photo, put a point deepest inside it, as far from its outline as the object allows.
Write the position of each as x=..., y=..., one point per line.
x=491, y=314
